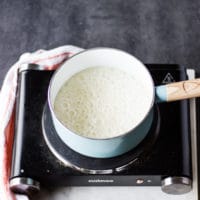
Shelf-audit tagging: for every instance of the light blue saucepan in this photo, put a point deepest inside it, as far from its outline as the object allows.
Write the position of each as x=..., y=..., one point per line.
x=108, y=57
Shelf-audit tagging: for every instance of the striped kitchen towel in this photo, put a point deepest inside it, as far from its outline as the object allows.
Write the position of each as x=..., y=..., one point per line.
x=50, y=60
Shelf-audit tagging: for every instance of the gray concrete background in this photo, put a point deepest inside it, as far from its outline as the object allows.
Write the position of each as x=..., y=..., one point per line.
x=155, y=31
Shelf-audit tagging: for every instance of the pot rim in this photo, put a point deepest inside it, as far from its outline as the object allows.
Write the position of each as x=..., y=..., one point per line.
x=50, y=103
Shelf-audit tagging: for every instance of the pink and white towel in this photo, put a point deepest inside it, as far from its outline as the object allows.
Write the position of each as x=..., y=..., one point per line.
x=50, y=60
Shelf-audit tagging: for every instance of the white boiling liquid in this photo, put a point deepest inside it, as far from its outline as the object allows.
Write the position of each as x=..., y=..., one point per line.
x=102, y=102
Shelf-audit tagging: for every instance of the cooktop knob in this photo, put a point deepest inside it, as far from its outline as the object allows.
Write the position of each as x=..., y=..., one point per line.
x=176, y=185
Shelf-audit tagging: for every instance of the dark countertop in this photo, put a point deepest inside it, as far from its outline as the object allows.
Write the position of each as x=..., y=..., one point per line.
x=155, y=31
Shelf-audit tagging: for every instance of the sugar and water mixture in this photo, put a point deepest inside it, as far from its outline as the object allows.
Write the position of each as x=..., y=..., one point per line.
x=101, y=102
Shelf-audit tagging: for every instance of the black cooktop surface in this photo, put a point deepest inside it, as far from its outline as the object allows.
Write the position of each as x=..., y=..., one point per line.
x=164, y=153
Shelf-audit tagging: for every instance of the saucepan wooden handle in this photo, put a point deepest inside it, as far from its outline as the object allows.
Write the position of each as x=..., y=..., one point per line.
x=179, y=90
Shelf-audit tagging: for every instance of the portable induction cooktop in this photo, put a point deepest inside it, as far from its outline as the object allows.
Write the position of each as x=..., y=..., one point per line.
x=40, y=158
